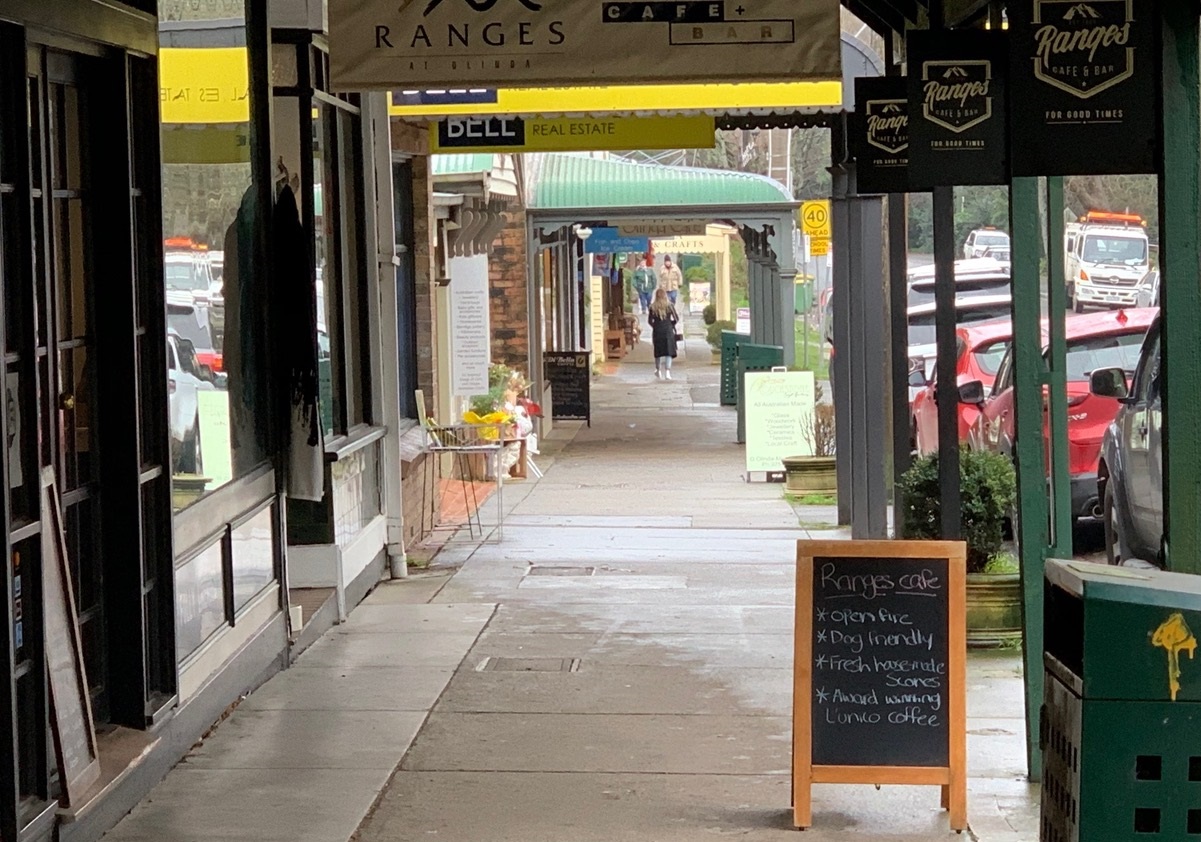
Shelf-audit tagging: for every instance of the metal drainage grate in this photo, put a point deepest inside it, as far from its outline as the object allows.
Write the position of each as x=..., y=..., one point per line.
x=529, y=665
x=549, y=570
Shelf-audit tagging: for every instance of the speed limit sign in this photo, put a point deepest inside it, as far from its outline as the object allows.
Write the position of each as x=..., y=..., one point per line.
x=815, y=218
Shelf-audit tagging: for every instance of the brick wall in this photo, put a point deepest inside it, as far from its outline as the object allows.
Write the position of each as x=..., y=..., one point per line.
x=507, y=282
x=410, y=138
x=414, y=488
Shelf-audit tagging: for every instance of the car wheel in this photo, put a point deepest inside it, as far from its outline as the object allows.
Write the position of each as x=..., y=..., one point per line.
x=1115, y=552
x=1077, y=307
x=189, y=458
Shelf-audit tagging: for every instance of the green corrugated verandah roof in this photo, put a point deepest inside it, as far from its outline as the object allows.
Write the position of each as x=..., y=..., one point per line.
x=576, y=181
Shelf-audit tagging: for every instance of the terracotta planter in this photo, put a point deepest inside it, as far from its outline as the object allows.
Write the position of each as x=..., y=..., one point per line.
x=994, y=609
x=715, y=356
x=811, y=474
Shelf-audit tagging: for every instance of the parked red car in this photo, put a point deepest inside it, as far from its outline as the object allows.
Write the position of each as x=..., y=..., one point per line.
x=1094, y=341
x=980, y=349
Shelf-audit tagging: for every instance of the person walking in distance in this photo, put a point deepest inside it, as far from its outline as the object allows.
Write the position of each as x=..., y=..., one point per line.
x=663, y=319
x=645, y=282
x=670, y=279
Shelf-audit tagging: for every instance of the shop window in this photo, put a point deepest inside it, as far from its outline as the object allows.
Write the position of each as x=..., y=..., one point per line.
x=406, y=290
x=213, y=282
x=199, y=599
x=253, y=559
x=327, y=172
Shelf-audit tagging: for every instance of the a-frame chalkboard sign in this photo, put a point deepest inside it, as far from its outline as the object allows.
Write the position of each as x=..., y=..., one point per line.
x=74, y=729
x=879, y=670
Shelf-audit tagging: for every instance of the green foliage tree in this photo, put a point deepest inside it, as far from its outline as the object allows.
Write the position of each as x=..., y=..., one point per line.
x=979, y=206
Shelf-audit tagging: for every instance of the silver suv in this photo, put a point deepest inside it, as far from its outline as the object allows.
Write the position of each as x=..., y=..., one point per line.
x=986, y=242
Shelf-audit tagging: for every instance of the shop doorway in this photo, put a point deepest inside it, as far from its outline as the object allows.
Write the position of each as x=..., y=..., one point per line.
x=61, y=106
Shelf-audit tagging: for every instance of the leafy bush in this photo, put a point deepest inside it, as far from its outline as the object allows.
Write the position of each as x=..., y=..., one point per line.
x=988, y=488
x=713, y=333
x=696, y=273
x=709, y=314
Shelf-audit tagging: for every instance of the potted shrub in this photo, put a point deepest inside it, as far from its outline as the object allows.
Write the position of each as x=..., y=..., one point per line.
x=709, y=314
x=713, y=337
x=816, y=474
x=988, y=489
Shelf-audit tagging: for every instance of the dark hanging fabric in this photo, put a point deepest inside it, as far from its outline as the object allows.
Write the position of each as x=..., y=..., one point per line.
x=248, y=420
x=296, y=292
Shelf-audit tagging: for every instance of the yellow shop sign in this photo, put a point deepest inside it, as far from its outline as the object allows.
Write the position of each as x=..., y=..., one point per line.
x=208, y=85
x=570, y=134
x=619, y=99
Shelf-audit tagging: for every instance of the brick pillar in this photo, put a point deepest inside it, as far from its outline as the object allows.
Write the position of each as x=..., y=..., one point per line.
x=423, y=245
x=420, y=506
x=507, y=283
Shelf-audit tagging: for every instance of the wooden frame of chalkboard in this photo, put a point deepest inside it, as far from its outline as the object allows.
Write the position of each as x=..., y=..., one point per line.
x=879, y=671
x=74, y=727
x=570, y=376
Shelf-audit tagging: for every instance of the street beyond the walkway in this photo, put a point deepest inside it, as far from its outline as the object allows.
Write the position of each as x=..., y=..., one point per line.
x=619, y=667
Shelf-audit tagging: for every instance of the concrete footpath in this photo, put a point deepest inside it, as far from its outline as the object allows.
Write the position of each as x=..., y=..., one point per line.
x=617, y=668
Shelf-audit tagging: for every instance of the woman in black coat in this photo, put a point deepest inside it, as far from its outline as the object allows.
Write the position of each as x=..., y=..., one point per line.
x=663, y=319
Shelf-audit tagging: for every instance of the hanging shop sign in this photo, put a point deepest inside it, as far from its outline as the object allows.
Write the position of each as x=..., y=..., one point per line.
x=611, y=241
x=570, y=134
x=619, y=99
x=1085, y=76
x=879, y=135
x=957, y=103
x=663, y=227
x=209, y=85
x=381, y=44
x=690, y=245
x=879, y=661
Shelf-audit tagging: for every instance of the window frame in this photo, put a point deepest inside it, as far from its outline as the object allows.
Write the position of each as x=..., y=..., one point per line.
x=347, y=325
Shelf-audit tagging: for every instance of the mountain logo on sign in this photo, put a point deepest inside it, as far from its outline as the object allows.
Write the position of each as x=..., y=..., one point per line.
x=1084, y=49
x=1081, y=9
x=887, y=125
x=483, y=5
x=957, y=95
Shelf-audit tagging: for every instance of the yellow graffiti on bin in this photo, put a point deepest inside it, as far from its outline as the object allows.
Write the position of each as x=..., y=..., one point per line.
x=1174, y=635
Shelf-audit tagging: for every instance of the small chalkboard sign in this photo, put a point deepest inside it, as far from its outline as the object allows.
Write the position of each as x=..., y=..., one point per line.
x=74, y=728
x=570, y=376
x=879, y=670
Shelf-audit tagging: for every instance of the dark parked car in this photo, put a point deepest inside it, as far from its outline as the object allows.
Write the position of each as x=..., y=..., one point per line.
x=1095, y=341
x=1130, y=473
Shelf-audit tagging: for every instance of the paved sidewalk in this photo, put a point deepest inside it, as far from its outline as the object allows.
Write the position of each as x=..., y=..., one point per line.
x=304, y=757
x=618, y=668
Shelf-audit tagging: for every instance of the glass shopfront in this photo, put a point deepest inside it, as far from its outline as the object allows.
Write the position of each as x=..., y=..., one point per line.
x=212, y=282
x=134, y=263
x=79, y=276
x=216, y=286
